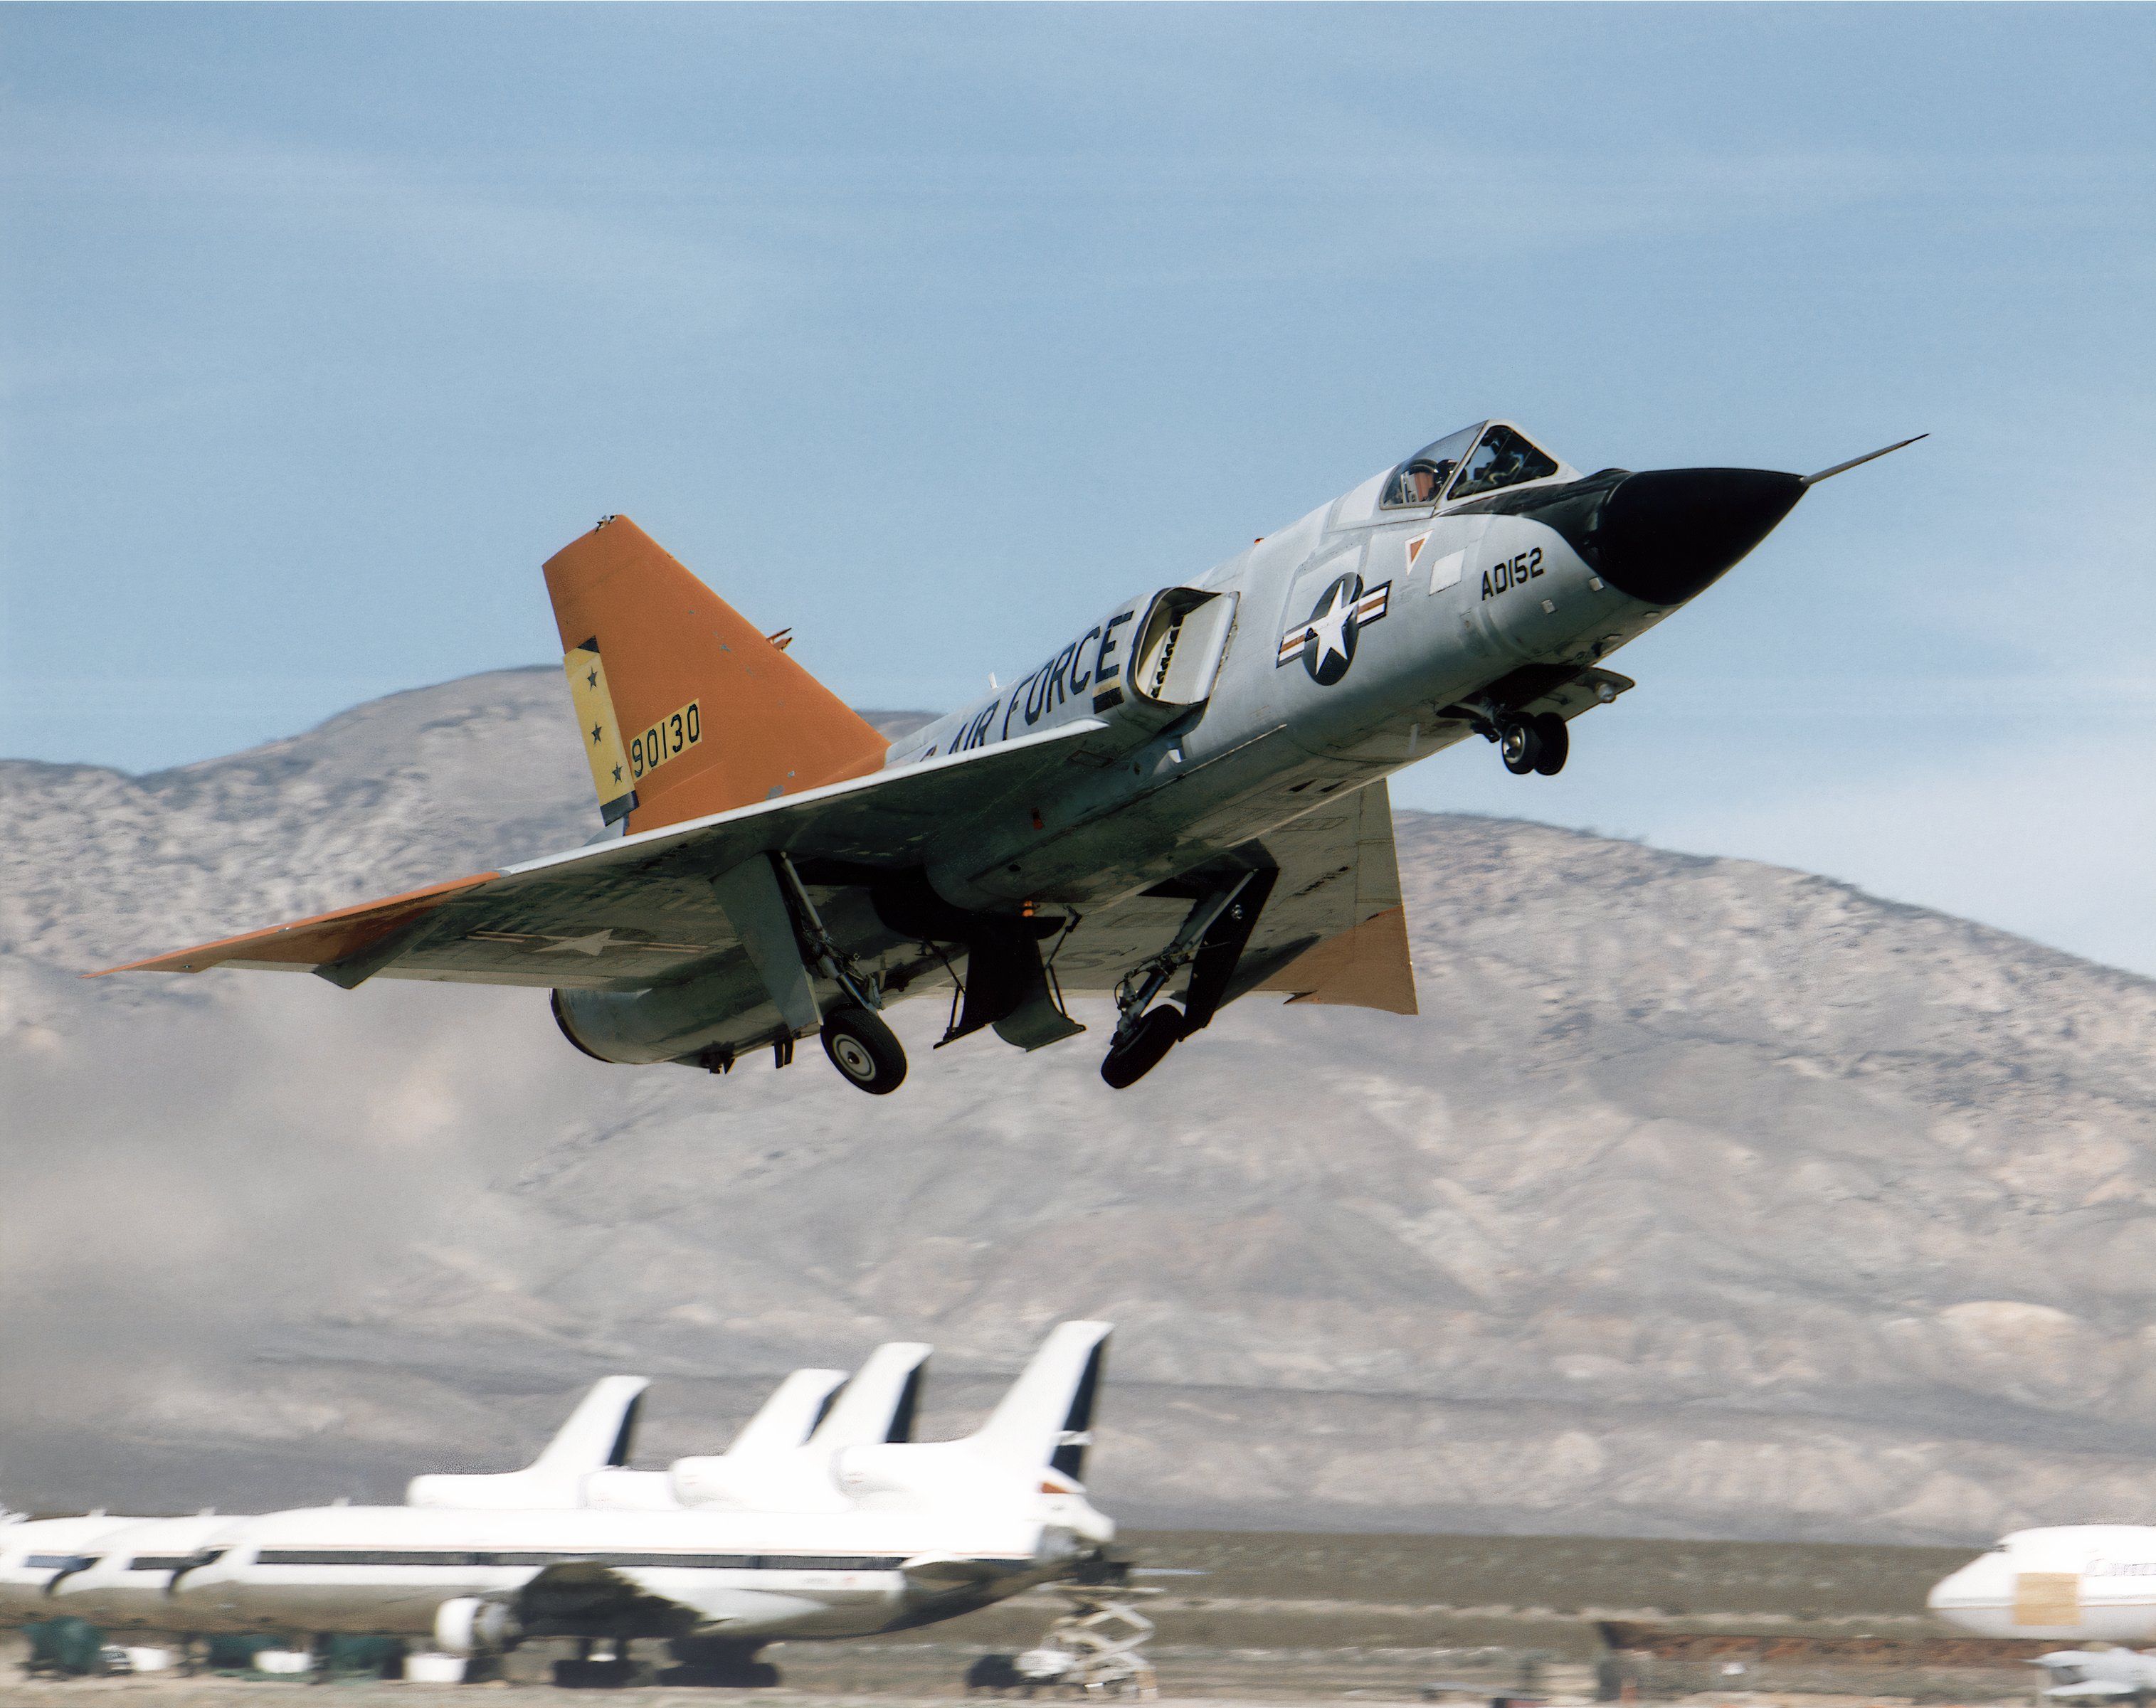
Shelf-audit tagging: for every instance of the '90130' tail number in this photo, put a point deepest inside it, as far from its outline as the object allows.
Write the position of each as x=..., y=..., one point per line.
x=675, y=734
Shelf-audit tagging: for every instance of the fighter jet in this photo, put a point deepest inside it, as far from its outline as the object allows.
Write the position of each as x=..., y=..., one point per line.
x=1180, y=803
x=2084, y=1581
x=934, y=1530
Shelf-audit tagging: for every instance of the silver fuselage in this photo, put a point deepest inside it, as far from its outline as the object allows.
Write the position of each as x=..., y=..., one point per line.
x=1271, y=740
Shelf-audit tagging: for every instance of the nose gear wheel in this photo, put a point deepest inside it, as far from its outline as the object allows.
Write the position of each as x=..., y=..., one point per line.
x=1538, y=744
x=1556, y=743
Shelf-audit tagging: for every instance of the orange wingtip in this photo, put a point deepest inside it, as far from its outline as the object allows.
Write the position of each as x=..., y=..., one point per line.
x=308, y=942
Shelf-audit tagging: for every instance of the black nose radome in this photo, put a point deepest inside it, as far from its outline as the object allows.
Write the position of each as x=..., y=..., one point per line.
x=1670, y=533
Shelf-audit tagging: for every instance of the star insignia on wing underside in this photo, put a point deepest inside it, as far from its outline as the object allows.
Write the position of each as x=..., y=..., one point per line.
x=595, y=733
x=592, y=678
x=592, y=943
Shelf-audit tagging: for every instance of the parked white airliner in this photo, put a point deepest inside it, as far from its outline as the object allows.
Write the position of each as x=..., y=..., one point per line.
x=2090, y=1581
x=933, y=1530
x=117, y=1572
x=33, y=1551
x=124, y=1580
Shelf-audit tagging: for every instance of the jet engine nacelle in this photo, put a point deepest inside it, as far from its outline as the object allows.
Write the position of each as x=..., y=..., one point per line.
x=468, y=1625
x=673, y=1021
x=909, y=1475
x=616, y=1490
x=712, y=1479
x=798, y=1482
x=494, y=1490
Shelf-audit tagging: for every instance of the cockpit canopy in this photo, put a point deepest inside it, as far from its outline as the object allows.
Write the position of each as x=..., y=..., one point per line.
x=1466, y=464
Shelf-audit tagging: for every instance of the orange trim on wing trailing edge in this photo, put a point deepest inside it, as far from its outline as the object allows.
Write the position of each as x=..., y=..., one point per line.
x=309, y=942
x=1367, y=966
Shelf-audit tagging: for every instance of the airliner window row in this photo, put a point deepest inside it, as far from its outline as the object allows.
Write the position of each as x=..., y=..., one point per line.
x=160, y=1562
x=458, y=1557
x=60, y=1562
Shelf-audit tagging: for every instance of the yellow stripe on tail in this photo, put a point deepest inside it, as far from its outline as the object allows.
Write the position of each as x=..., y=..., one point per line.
x=611, y=774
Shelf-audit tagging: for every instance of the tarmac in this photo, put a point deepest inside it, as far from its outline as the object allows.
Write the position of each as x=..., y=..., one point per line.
x=1274, y=1618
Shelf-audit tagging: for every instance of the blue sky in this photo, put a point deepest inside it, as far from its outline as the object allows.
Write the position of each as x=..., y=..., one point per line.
x=931, y=332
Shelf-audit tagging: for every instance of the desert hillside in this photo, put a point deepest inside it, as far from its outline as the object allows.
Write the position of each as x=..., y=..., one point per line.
x=1703, y=1196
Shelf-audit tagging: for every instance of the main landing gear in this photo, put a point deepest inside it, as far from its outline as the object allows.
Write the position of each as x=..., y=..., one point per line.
x=776, y=920
x=706, y=1660
x=1210, y=943
x=1138, y=1049
x=863, y=1050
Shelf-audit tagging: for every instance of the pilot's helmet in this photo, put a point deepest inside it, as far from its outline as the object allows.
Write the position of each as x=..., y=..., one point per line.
x=1426, y=478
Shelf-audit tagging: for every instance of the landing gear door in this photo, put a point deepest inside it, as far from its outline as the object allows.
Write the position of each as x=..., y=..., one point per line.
x=1181, y=643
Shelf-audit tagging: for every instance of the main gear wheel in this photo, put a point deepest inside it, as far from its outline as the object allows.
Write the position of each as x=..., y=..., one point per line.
x=863, y=1050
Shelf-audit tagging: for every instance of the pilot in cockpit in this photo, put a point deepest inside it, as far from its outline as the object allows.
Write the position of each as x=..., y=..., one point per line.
x=1421, y=478
x=1425, y=481
x=1496, y=457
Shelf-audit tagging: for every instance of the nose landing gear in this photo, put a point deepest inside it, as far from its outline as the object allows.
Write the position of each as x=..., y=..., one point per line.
x=1537, y=744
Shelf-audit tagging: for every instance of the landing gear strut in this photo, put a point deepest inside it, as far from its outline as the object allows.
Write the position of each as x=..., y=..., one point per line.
x=1210, y=943
x=866, y=1053
x=590, y=1671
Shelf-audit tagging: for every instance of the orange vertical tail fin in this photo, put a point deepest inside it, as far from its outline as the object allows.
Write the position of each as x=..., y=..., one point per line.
x=684, y=707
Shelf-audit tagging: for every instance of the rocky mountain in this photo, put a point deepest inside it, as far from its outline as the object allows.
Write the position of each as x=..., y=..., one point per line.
x=1702, y=1198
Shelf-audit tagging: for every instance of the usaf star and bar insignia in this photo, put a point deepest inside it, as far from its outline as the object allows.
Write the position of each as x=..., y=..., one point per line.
x=1325, y=642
